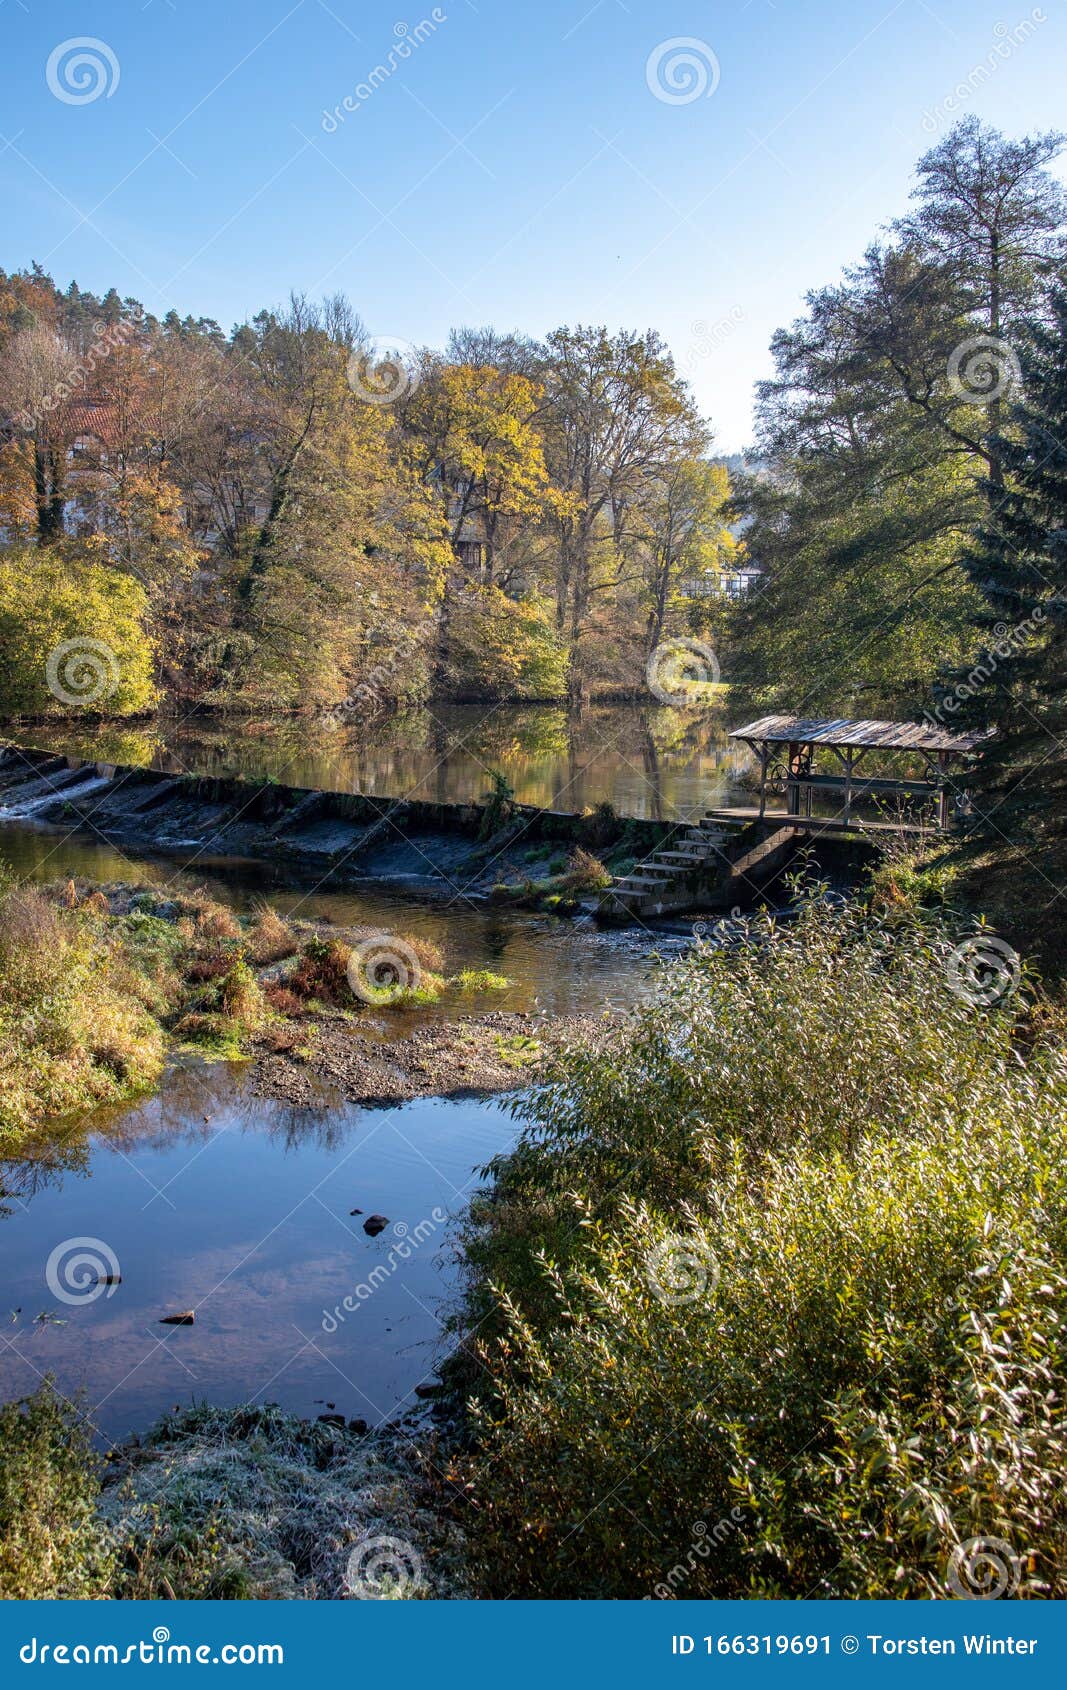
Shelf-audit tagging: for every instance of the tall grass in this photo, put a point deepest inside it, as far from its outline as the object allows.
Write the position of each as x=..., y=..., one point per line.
x=72, y=1031
x=772, y=1301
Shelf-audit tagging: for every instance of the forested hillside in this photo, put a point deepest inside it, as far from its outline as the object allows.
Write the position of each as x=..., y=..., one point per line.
x=308, y=516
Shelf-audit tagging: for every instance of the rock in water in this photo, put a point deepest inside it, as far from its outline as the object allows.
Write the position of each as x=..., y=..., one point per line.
x=374, y=1224
x=186, y=1318
x=331, y=1420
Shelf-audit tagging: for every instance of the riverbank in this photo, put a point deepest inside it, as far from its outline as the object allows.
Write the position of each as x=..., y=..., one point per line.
x=472, y=1056
x=223, y=1504
x=101, y=982
x=832, y=1147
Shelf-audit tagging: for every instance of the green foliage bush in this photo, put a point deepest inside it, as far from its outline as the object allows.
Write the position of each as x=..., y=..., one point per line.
x=773, y=1296
x=49, y=597
x=504, y=647
x=74, y=1029
x=89, y=996
x=51, y=1541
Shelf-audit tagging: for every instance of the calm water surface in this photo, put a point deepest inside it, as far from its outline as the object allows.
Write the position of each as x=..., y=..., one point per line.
x=209, y=1198
x=646, y=761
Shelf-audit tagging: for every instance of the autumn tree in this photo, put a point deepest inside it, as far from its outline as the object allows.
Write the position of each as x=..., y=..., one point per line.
x=615, y=413
x=37, y=373
x=686, y=543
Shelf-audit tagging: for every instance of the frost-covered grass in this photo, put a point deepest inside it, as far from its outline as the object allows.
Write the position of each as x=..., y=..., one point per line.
x=219, y=1503
x=254, y=1502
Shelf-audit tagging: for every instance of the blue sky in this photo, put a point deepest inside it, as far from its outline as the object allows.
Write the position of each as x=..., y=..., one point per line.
x=519, y=166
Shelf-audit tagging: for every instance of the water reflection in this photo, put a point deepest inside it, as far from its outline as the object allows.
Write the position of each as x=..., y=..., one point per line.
x=209, y=1199
x=646, y=761
x=242, y=1209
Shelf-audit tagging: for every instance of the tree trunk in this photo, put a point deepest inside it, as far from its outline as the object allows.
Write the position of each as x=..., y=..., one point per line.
x=996, y=467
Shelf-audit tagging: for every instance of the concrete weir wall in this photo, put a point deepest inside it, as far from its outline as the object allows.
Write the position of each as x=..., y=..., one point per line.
x=344, y=834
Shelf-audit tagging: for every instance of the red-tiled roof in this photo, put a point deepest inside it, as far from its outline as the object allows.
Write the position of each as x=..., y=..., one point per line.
x=98, y=417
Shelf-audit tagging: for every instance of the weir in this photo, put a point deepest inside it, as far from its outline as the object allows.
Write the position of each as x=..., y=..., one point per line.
x=338, y=836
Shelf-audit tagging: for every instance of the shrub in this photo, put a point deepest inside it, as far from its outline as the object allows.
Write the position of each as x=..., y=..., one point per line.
x=499, y=804
x=585, y=873
x=53, y=598
x=74, y=1031
x=242, y=999
x=283, y=1001
x=51, y=1542
x=602, y=825
x=428, y=954
x=782, y=1279
x=499, y=646
x=322, y=973
x=216, y=921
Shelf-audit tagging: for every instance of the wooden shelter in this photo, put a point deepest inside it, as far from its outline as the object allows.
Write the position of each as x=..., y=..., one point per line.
x=787, y=748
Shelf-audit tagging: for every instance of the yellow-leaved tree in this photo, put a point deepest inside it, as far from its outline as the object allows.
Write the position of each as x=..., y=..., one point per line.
x=74, y=634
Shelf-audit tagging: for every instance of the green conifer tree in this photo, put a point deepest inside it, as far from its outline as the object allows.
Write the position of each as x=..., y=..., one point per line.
x=1018, y=687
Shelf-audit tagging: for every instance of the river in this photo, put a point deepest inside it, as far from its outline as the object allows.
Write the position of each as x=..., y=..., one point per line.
x=648, y=762
x=206, y=1197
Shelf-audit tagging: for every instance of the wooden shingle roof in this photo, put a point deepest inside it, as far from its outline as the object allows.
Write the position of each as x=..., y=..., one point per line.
x=888, y=736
